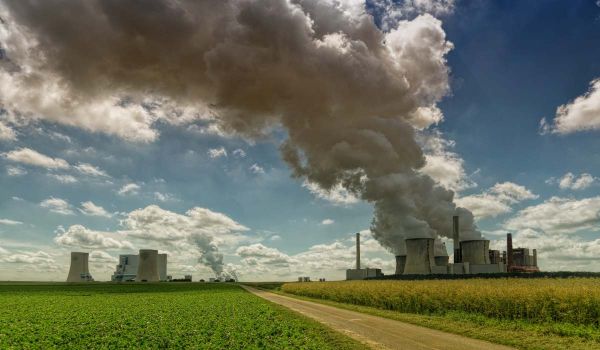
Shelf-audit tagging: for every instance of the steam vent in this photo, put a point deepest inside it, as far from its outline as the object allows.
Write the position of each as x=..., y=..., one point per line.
x=79, y=271
x=471, y=256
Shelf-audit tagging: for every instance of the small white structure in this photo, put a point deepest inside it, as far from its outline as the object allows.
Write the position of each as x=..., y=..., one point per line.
x=79, y=270
x=148, y=266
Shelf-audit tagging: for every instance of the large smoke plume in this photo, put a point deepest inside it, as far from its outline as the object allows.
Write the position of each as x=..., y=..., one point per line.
x=349, y=95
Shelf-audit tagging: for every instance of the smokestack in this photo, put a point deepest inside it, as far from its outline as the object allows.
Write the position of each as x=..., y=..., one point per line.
x=148, y=266
x=509, y=252
x=535, y=257
x=456, y=238
x=79, y=271
x=358, y=251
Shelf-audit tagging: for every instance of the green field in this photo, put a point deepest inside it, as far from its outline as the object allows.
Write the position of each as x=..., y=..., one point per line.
x=153, y=316
x=524, y=313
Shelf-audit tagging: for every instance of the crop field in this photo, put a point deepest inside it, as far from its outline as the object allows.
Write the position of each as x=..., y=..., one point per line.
x=574, y=300
x=524, y=313
x=168, y=315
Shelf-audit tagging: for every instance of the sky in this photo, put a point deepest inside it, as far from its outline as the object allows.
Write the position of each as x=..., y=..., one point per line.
x=256, y=139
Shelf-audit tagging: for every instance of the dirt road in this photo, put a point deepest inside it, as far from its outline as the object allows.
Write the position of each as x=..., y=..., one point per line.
x=378, y=332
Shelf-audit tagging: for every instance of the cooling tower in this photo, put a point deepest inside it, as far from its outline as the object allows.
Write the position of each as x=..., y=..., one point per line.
x=148, y=266
x=79, y=272
x=400, y=262
x=475, y=252
x=162, y=267
x=440, y=253
x=419, y=256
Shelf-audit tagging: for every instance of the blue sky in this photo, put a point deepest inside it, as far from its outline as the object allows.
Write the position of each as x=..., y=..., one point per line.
x=512, y=64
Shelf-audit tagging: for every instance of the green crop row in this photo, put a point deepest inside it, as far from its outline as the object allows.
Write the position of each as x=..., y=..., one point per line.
x=152, y=316
x=573, y=300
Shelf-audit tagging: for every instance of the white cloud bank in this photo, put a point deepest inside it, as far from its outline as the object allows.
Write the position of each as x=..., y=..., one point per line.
x=34, y=158
x=583, y=113
x=57, y=205
x=79, y=236
x=496, y=200
x=573, y=182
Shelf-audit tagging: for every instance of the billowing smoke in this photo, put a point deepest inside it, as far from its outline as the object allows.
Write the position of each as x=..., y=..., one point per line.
x=349, y=95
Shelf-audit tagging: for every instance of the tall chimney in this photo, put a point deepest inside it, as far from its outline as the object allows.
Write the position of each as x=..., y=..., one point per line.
x=455, y=235
x=509, y=252
x=358, y=251
x=534, y=258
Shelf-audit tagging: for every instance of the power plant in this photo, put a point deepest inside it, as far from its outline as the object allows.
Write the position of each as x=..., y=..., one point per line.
x=79, y=271
x=472, y=256
x=127, y=269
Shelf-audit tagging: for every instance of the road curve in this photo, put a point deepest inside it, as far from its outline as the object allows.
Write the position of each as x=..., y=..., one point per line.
x=378, y=332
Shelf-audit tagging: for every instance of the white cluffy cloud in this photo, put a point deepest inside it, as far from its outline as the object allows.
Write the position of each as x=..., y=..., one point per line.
x=129, y=189
x=7, y=133
x=217, y=152
x=15, y=171
x=57, y=205
x=583, y=113
x=91, y=209
x=338, y=195
x=79, y=236
x=90, y=170
x=559, y=216
x=9, y=222
x=39, y=261
x=572, y=182
x=64, y=178
x=442, y=164
x=32, y=157
x=327, y=222
x=496, y=200
x=257, y=169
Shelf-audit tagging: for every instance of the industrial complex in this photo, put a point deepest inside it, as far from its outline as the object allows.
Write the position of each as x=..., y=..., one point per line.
x=147, y=266
x=429, y=256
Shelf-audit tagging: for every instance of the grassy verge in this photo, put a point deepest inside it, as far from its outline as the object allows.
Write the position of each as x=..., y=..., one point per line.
x=519, y=334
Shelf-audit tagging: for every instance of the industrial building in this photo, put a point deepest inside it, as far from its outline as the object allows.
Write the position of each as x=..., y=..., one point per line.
x=129, y=267
x=358, y=273
x=473, y=256
x=426, y=256
x=79, y=270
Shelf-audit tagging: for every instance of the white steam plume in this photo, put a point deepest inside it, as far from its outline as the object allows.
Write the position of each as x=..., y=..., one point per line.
x=349, y=95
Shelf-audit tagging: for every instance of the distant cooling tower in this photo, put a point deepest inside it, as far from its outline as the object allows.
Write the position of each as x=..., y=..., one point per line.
x=419, y=256
x=162, y=267
x=148, y=266
x=475, y=251
x=400, y=262
x=79, y=271
x=441, y=253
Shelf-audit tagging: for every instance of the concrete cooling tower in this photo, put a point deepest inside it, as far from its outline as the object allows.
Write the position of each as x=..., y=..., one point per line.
x=400, y=262
x=79, y=271
x=419, y=256
x=441, y=254
x=148, y=266
x=162, y=267
x=475, y=251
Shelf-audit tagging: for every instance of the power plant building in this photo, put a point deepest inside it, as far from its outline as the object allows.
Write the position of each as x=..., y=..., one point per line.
x=79, y=270
x=128, y=267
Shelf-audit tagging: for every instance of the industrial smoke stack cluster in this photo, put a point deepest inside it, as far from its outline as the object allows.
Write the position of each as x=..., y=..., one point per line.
x=79, y=270
x=472, y=256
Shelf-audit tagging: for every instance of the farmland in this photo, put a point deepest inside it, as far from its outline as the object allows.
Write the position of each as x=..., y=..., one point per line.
x=526, y=313
x=191, y=315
